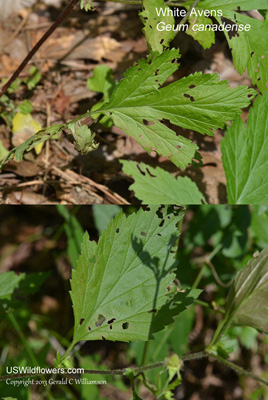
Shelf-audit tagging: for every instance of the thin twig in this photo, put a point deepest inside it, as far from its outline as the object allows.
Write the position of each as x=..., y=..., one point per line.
x=184, y=19
x=58, y=21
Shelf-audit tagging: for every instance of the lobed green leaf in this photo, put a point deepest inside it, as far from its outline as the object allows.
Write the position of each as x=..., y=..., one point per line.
x=244, y=156
x=121, y=286
x=249, y=48
x=139, y=105
x=157, y=186
x=157, y=40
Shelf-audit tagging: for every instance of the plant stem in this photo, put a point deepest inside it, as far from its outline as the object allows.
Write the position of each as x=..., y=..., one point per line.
x=67, y=352
x=145, y=352
x=16, y=325
x=14, y=322
x=194, y=356
x=58, y=21
x=237, y=369
x=199, y=276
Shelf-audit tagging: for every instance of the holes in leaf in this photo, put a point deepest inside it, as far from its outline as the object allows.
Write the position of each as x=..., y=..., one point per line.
x=149, y=173
x=162, y=223
x=159, y=234
x=139, y=168
x=161, y=41
x=125, y=325
x=252, y=54
x=147, y=123
x=151, y=26
x=188, y=97
x=81, y=321
x=238, y=9
x=100, y=321
x=156, y=72
x=111, y=326
x=259, y=79
x=103, y=338
x=111, y=321
x=174, y=60
x=249, y=96
x=232, y=33
x=89, y=328
x=154, y=310
x=117, y=230
x=143, y=233
x=192, y=86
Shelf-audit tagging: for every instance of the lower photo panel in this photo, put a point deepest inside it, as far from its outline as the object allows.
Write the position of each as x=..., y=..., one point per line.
x=118, y=303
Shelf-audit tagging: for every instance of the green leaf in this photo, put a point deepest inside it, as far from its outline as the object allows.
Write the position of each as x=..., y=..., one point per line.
x=121, y=287
x=249, y=48
x=32, y=142
x=248, y=337
x=102, y=215
x=13, y=286
x=247, y=302
x=102, y=81
x=205, y=38
x=157, y=40
x=86, y=5
x=250, y=52
x=9, y=398
x=244, y=156
x=198, y=102
x=157, y=186
x=25, y=107
x=9, y=281
x=34, y=79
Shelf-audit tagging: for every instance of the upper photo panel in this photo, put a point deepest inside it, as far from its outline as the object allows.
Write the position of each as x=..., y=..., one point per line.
x=133, y=102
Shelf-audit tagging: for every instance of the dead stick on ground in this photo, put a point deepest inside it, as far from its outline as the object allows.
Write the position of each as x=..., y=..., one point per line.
x=58, y=21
